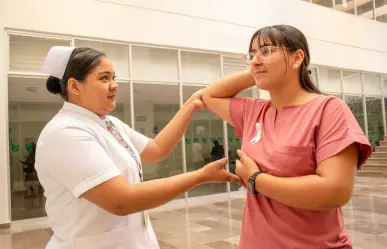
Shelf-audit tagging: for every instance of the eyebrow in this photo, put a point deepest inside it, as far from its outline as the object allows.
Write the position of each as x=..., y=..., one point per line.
x=107, y=72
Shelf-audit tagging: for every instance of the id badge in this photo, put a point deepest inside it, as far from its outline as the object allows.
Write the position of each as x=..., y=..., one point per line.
x=146, y=219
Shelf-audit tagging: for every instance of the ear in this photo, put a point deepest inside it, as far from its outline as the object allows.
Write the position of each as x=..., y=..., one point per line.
x=298, y=59
x=74, y=86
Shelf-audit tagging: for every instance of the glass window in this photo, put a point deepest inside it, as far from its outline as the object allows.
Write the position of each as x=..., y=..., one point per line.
x=313, y=75
x=118, y=53
x=384, y=78
x=347, y=6
x=372, y=84
x=352, y=82
x=122, y=110
x=325, y=3
x=233, y=65
x=381, y=10
x=154, y=64
x=152, y=112
x=375, y=120
x=30, y=108
x=329, y=80
x=204, y=130
x=355, y=103
x=200, y=67
x=365, y=8
x=27, y=54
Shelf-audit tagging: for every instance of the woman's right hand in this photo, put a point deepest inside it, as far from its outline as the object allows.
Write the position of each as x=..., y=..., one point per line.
x=216, y=173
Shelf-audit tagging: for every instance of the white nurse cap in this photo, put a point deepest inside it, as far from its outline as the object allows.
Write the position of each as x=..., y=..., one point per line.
x=56, y=61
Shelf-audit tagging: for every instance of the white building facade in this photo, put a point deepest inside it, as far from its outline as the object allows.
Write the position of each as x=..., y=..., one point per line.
x=164, y=51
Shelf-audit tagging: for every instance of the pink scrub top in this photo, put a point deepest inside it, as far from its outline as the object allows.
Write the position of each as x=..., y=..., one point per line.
x=293, y=145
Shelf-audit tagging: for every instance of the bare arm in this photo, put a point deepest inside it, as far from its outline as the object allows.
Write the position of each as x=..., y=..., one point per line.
x=331, y=187
x=217, y=96
x=163, y=144
x=118, y=197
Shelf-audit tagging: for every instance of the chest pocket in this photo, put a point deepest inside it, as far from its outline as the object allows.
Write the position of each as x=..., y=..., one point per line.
x=290, y=161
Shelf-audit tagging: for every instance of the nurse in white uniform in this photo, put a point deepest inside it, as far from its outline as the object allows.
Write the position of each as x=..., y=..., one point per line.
x=90, y=164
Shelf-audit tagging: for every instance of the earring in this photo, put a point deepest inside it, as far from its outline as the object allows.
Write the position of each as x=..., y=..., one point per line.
x=295, y=66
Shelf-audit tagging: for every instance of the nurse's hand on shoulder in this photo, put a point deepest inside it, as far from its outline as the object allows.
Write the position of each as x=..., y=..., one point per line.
x=196, y=100
x=245, y=167
x=215, y=173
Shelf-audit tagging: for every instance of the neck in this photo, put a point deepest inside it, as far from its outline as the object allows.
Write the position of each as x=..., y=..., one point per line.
x=286, y=95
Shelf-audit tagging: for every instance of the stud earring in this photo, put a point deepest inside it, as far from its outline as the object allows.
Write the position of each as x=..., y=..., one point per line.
x=295, y=66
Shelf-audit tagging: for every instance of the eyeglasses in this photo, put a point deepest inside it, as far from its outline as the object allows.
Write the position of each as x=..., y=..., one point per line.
x=262, y=54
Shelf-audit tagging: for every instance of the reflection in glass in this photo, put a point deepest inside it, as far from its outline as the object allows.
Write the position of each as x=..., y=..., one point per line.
x=204, y=128
x=374, y=120
x=365, y=8
x=381, y=10
x=325, y=3
x=27, y=53
x=347, y=6
x=329, y=80
x=26, y=121
x=153, y=111
x=154, y=64
x=355, y=103
x=200, y=68
x=384, y=79
x=372, y=84
x=352, y=82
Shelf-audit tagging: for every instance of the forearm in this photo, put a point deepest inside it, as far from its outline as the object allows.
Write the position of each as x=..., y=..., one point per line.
x=310, y=192
x=170, y=136
x=229, y=86
x=154, y=193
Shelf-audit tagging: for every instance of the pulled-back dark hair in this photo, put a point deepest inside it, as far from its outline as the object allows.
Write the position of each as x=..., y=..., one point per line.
x=81, y=63
x=292, y=39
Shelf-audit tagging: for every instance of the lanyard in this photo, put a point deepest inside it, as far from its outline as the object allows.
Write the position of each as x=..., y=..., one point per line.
x=117, y=135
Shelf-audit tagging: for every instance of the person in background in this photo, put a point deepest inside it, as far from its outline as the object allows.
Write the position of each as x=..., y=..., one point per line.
x=300, y=149
x=31, y=177
x=217, y=151
x=90, y=163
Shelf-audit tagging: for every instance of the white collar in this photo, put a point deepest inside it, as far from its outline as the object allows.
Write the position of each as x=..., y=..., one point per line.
x=70, y=107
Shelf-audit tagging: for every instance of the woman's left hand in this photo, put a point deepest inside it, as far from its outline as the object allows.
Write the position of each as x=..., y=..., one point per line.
x=245, y=167
x=196, y=100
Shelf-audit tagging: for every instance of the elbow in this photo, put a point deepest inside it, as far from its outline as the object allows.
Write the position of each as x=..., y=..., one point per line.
x=340, y=196
x=206, y=96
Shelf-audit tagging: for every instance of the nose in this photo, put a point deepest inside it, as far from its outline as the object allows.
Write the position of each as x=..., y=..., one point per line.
x=113, y=86
x=255, y=61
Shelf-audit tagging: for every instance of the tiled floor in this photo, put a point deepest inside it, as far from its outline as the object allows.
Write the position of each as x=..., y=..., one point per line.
x=217, y=225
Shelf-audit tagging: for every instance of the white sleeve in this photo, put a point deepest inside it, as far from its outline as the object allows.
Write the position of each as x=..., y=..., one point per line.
x=75, y=158
x=138, y=140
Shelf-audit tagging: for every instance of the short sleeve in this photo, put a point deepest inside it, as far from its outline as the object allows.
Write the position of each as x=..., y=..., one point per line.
x=337, y=130
x=75, y=159
x=242, y=110
x=138, y=140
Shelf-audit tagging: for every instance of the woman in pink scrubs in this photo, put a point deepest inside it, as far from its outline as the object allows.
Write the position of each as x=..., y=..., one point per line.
x=300, y=149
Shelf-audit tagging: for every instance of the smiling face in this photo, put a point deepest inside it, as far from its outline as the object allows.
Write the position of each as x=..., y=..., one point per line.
x=98, y=91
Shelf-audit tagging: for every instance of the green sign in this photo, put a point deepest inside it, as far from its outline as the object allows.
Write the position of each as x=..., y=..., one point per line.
x=238, y=139
x=230, y=139
x=188, y=140
x=196, y=140
x=15, y=147
x=28, y=147
x=220, y=139
x=212, y=139
x=204, y=140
